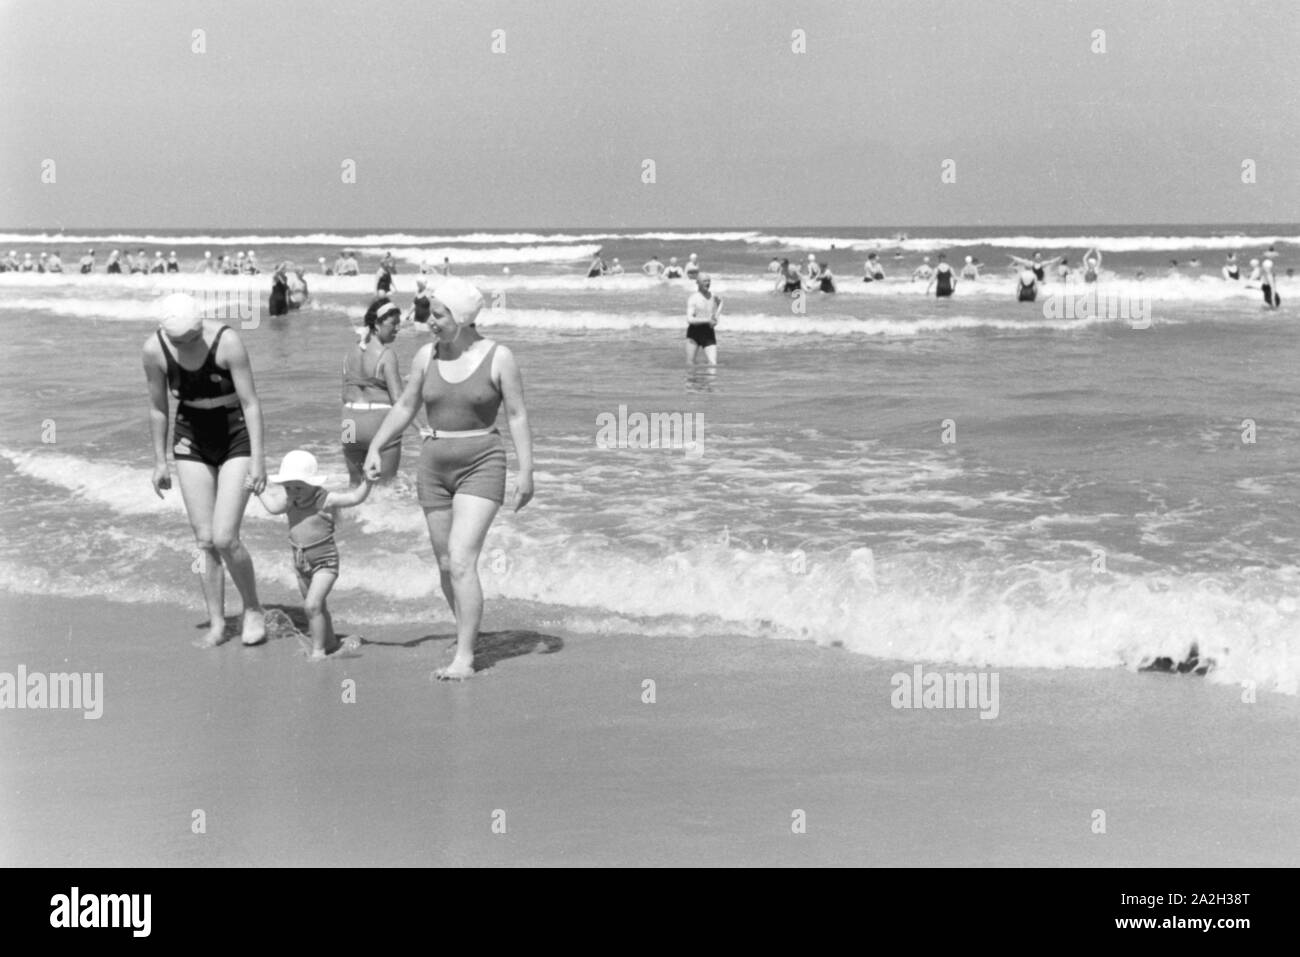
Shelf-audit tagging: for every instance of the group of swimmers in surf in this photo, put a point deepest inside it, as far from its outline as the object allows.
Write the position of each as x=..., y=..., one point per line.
x=456, y=386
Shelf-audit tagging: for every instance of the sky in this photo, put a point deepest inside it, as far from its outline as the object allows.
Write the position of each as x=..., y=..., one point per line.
x=139, y=128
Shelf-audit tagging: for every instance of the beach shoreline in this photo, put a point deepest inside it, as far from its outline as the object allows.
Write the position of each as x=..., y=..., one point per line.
x=554, y=743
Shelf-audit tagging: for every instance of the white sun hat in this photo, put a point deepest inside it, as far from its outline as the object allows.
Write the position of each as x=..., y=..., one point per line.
x=298, y=466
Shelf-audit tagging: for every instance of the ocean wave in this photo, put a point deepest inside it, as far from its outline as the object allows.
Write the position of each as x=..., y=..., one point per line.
x=1029, y=242
x=992, y=286
x=900, y=607
x=253, y=240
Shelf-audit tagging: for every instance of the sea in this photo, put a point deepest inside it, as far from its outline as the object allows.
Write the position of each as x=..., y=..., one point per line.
x=1103, y=478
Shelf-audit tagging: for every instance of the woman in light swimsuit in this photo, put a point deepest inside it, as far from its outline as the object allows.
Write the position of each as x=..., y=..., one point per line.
x=371, y=383
x=217, y=442
x=461, y=380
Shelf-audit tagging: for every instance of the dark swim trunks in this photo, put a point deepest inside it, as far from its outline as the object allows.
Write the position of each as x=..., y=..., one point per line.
x=1270, y=297
x=210, y=436
x=702, y=334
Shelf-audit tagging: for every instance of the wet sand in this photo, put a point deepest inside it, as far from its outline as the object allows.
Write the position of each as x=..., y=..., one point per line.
x=554, y=733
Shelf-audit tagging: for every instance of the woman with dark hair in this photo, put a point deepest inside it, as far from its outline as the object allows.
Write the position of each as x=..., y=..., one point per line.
x=371, y=384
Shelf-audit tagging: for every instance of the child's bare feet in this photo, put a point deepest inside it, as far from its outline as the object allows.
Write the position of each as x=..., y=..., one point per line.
x=215, y=635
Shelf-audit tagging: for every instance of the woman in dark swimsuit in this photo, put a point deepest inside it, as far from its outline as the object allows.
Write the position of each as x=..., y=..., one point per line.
x=279, y=304
x=217, y=446
x=1027, y=285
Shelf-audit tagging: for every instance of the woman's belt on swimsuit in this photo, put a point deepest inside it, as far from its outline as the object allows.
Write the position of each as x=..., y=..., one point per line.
x=446, y=434
x=219, y=402
x=366, y=406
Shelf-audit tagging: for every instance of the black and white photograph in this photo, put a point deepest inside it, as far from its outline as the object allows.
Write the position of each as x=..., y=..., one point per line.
x=637, y=435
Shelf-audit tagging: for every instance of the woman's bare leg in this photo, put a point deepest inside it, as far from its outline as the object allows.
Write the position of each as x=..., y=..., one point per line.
x=228, y=513
x=471, y=516
x=199, y=492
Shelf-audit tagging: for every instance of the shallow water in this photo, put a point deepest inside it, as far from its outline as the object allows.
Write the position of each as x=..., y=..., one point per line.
x=967, y=480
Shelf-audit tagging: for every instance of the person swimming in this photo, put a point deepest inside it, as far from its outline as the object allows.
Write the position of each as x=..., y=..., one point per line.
x=1027, y=285
x=872, y=271
x=217, y=443
x=970, y=271
x=791, y=281
x=298, y=292
x=693, y=267
x=1254, y=271
x=811, y=270
x=826, y=279
x=1063, y=270
x=461, y=379
x=1038, y=264
x=278, y=304
x=383, y=280
x=173, y=264
x=1231, y=271
x=1091, y=264
x=616, y=268
x=943, y=281
x=654, y=268
x=923, y=271
x=87, y=263
x=672, y=270
x=597, y=267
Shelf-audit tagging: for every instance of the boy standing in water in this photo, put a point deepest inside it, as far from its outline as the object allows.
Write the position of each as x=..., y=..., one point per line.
x=312, y=513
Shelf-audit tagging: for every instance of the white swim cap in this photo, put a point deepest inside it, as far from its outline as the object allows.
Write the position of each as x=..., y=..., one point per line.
x=1254, y=262
x=179, y=315
x=812, y=257
x=1268, y=264
x=461, y=297
x=969, y=259
x=695, y=255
